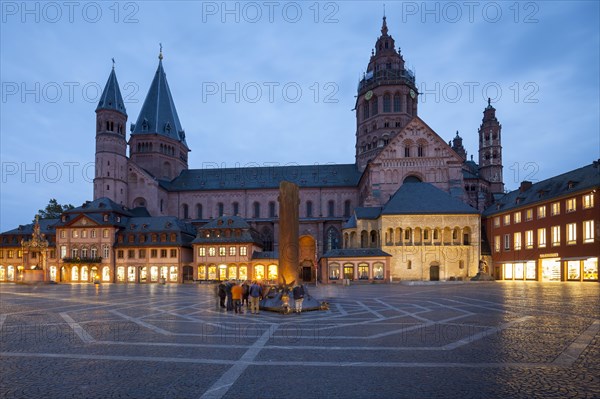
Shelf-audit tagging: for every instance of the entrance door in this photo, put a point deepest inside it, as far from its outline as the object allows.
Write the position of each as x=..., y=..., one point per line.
x=306, y=273
x=434, y=273
x=188, y=273
x=551, y=269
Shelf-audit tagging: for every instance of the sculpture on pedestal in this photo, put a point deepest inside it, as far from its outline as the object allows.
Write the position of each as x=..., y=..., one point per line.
x=278, y=298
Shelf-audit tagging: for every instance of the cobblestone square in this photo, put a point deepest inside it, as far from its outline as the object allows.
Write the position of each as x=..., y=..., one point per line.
x=463, y=340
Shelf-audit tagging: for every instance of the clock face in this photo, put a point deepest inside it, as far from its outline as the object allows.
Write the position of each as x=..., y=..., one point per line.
x=369, y=95
x=412, y=93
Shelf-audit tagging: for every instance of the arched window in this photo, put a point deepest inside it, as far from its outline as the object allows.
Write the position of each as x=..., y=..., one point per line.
x=220, y=209
x=406, y=151
x=374, y=106
x=266, y=236
x=364, y=239
x=396, y=102
x=330, y=208
x=332, y=239
x=198, y=211
x=185, y=211
x=271, y=209
x=373, y=242
x=387, y=106
x=420, y=150
x=236, y=208
x=347, y=208
x=365, y=110
x=256, y=209
x=309, y=209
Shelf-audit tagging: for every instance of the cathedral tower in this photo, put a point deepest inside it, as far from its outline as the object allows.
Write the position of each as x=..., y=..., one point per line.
x=110, y=178
x=157, y=141
x=386, y=99
x=490, y=150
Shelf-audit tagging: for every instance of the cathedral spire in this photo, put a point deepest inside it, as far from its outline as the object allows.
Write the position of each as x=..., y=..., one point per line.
x=158, y=114
x=111, y=98
x=384, y=28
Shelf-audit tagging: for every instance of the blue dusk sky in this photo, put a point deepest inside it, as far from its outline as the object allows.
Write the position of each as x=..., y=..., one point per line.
x=274, y=83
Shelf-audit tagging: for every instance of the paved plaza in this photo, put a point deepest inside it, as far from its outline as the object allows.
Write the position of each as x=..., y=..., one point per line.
x=463, y=340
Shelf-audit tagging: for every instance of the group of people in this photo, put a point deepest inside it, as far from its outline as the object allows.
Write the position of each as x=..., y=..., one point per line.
x=233, y=296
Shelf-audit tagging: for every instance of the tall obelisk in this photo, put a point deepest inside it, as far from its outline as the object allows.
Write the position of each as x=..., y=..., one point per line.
x=289, y=202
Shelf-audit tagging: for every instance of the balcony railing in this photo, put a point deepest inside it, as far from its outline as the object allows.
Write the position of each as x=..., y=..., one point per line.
x=386, y=76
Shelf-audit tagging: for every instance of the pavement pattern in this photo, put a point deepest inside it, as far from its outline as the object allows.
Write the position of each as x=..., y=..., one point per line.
x=447, y=340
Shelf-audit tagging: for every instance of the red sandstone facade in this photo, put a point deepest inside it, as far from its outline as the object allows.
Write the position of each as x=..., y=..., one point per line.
x=548, y=231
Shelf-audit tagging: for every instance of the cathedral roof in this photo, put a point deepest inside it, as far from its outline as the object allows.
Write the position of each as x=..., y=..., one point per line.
x=585, y=178
x=111, y=96
x=158, y=114
x=262, y=177
x=422, y=199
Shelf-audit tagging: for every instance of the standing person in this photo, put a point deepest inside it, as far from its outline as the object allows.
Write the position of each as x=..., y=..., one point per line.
x=228, y=286
x=245, y=293
x=298, y=292
x=222, y=294
x=255, y=294
x=236, y=295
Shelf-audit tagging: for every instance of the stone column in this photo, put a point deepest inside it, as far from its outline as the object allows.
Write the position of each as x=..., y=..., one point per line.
x=289, y=201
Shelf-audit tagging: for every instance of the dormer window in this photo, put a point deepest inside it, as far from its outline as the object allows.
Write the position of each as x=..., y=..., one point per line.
x=105, y=218
x=167, y=127
x=145, y=125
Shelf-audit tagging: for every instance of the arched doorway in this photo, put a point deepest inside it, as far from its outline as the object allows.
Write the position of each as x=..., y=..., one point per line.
x=307, y=256
x=188, y=273
x=434, y=272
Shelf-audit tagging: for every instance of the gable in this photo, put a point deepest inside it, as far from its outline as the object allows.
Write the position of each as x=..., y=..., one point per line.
x=82, y=221
x=417, y=133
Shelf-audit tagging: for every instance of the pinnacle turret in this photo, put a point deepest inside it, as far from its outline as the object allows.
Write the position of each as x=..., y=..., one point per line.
x=158, y=114
x=111, y=98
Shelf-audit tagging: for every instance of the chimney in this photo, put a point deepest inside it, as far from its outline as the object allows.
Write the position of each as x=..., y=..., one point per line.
x=525, y=185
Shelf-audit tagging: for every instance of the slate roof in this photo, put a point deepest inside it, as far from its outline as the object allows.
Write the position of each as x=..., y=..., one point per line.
x=138, y=226
x=370, y=213
x=261, y=177
x=95, y=210
x=246, y=233
x=350, y=223
x=423, y=199
x=163, y=224
x=355, y=253
x=471, y=171
x=584, y=178
x=158, y=114
x=111, y=96
x=265, y=255
x=47, y=227
x=226, y=222
x=101, y=205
